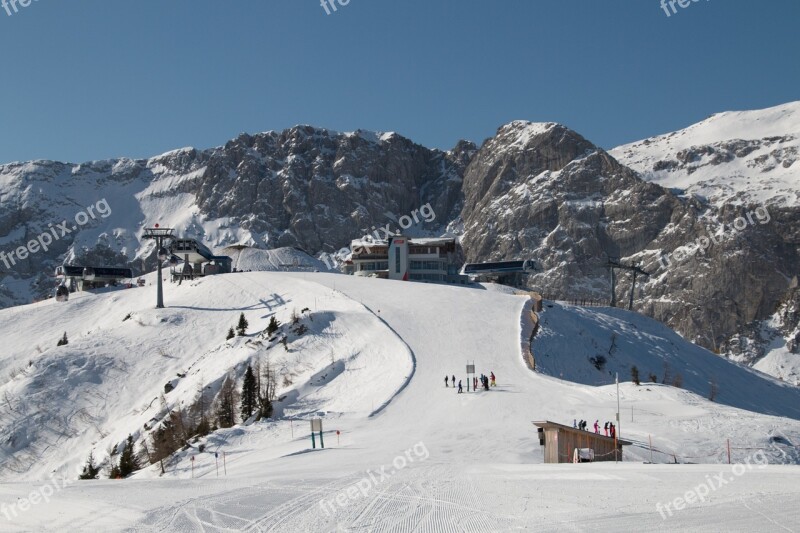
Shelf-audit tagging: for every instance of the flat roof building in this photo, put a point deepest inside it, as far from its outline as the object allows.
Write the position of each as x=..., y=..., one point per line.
x=433, y=260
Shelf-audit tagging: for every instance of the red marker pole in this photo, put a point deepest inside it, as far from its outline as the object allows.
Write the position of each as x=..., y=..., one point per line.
x=337, y=437
x=193, y=467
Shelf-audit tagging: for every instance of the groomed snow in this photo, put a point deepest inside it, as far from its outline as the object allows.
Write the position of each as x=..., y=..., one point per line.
x=468, y=462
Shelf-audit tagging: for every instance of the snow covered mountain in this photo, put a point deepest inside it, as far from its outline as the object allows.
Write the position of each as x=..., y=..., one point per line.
x=743, y=157
x=308, y=188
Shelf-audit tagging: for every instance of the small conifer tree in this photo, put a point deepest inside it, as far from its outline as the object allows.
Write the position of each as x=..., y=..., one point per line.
x=273, y=326
x=90, y=470
x=241, y=328
x=249, y=394
x=128, y=462
x=635, y=375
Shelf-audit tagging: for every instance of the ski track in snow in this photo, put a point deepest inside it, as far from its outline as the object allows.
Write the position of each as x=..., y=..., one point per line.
x=394, y=342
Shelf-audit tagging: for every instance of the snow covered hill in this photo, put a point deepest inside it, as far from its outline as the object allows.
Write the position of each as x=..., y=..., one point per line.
x=372, y=365
x=591, y=346
x=62, y=402
x=735, y=157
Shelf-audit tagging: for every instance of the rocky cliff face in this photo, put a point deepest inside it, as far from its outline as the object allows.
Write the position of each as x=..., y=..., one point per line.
x=303, y=187
x=541, y=191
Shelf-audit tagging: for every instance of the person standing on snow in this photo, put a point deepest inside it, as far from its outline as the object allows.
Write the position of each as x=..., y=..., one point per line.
x=494, y=383
x=460, y=390
x=446, y=383
x=454, y=380
x=574, y=423
x=597, y=427
x=605, y=428
x=613, y=430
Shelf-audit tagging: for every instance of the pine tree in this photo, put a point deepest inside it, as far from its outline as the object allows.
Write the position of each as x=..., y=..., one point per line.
x=91, y=470
x=267, y=384
x=63, y=341
x=113, y=472
x=635, y=375
x=273, y=326
x=225, y=404
x=128, y=462
x=231, y=335
x=241, y=328
x=249, y=394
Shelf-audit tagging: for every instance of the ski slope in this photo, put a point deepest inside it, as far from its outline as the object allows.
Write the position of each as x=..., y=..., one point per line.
x=468, y=462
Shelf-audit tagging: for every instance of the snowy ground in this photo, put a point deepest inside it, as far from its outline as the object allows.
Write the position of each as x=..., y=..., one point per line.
x=437, y=460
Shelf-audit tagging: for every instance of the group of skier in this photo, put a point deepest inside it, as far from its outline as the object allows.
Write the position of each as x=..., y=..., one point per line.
x=609, y=428
x=486, y=382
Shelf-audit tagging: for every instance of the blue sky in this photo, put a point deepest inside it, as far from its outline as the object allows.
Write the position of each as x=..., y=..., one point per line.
x=94, y=79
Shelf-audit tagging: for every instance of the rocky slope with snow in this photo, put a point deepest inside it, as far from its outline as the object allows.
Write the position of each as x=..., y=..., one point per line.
x=304, y=187
x=541, y=191
x=744, y=157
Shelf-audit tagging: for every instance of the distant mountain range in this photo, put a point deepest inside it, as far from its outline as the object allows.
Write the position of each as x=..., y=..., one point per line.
x=534, y=190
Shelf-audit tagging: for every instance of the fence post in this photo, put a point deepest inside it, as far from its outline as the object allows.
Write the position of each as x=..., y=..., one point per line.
x=729, y=451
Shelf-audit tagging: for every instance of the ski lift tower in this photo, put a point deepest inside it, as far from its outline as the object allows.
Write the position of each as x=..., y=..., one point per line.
x=614, y=264
x=161, y=236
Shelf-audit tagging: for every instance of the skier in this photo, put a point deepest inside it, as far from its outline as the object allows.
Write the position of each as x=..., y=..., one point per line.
x=574, y=423
x=486, y=382
x=613, y=431
x=605, y=428
x=460, y=390
x=454, y=380
x=597, y=427
x=446, y=383
x=494, y=382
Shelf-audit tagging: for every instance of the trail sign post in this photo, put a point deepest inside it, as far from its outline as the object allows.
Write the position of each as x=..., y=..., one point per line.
x=316, y=425
x=470, y=370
